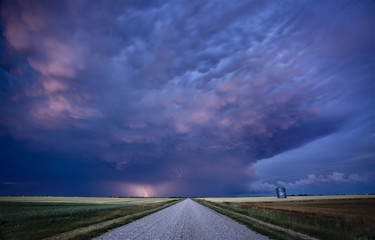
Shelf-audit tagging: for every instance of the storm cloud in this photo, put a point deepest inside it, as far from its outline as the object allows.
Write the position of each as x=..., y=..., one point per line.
x=177, y=97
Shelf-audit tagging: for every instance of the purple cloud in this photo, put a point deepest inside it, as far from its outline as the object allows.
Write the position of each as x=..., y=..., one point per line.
x=182, y=97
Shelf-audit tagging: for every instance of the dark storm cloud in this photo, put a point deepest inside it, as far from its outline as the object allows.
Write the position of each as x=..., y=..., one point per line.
x=181, y=97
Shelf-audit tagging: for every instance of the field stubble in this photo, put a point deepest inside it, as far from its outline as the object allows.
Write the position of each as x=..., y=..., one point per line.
x=327, y=218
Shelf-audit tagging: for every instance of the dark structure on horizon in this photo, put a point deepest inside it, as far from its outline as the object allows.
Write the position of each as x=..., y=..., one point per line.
x=281, y=193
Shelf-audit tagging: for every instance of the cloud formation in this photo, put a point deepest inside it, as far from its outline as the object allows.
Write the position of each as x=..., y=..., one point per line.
x=313, y=181
x=186, y=93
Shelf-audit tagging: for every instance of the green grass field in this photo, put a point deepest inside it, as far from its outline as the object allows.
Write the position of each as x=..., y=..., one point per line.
x=43, y=217
x=335, y=217
x=90, y=200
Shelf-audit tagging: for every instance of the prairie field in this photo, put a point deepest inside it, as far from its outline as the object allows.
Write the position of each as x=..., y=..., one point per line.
x=323, y=217
x=43, y=217
x=89, y=200
x=289, y=198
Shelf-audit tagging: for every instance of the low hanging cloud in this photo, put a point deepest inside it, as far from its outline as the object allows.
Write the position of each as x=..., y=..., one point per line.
x=312, y=181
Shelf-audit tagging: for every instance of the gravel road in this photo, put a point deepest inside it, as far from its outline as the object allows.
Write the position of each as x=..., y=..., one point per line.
x=184, y=220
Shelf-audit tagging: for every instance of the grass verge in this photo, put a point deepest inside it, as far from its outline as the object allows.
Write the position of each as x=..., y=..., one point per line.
x=261, y=227
x=36, y=220
x=322, y=219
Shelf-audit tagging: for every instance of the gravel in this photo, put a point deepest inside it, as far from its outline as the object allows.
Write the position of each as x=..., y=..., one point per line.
x=185, y=220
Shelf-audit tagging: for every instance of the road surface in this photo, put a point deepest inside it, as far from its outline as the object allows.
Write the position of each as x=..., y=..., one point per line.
x=184, y=220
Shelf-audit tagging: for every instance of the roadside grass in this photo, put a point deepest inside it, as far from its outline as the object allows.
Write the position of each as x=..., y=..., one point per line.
x=38, y=220
x=97, y=231
x=259, y=228
x=93, y=200
x=322, y=219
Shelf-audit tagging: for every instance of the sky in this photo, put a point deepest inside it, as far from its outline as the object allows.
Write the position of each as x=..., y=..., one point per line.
x=187, y=98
